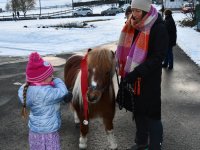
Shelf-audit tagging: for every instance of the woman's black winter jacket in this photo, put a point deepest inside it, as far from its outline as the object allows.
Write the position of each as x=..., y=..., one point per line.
x=150, y=71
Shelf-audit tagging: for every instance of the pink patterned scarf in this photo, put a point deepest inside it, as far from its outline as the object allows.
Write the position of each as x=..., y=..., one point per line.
x=131, y=55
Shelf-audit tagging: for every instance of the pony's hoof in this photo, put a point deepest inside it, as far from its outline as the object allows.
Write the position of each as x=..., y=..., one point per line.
x=82, y=146
x=83, y=143
x=114, y=148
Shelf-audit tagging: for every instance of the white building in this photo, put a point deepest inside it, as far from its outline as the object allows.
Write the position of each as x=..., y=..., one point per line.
x=173, y=3
x=177, y=3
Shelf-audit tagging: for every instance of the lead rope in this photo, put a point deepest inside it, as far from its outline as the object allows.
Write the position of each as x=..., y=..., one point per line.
x=120, y=102
x=132, y=100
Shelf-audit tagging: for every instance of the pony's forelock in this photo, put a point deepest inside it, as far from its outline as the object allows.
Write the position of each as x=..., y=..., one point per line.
x=96, y=56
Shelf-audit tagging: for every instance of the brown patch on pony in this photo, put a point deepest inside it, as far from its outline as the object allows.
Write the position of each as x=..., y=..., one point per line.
x=72, y=67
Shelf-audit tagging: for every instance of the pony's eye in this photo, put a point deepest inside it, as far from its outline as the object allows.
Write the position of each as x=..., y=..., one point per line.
x=89, y=70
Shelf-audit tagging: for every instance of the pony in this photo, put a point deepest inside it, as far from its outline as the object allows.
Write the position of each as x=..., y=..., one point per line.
x=99, y=93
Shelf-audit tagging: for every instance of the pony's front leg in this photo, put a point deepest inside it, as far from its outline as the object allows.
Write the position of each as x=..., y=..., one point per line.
x=108, y=122
x=83, y=136
x=76, y=119
x=83, y=130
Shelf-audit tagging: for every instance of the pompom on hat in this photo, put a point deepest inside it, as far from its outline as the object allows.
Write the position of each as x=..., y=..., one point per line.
x=37, y=70
x=144, y=5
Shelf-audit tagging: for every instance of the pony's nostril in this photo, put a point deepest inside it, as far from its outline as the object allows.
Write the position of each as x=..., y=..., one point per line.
x=93, y=98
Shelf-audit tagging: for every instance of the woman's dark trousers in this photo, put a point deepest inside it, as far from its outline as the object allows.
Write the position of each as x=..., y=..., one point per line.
x=149, y=129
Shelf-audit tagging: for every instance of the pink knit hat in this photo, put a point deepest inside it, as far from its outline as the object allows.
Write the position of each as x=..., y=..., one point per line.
x=37, y=70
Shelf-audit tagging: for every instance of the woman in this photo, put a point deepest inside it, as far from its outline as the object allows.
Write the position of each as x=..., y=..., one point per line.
x=141, y=49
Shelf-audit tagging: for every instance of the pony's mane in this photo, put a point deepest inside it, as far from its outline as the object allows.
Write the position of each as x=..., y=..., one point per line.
x=103, y=58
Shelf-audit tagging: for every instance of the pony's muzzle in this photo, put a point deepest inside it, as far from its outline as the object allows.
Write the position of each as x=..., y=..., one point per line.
x=93, y=96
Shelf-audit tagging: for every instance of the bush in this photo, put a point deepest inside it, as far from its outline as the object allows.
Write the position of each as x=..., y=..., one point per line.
x=187, y=23
x=71, y=25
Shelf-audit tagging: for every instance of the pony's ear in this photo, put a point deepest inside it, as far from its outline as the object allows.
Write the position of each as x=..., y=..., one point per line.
x=89, y=49
x=113, y=53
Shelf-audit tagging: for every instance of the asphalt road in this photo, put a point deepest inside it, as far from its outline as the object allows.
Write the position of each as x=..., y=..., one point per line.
x=180, y=110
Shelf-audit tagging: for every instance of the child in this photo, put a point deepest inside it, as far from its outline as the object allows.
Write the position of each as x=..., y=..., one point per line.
x=42, y=94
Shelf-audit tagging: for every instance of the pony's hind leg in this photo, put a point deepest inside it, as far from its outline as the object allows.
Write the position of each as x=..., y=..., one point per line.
x=108, y=122
x=76, y=119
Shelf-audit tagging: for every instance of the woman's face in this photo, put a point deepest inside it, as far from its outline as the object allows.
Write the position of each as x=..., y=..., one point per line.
x=136, y=16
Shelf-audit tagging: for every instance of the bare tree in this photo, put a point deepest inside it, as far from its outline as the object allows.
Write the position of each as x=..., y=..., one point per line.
x=23, y=5
x=26, y=5
x=13, y=5
x=7, y=7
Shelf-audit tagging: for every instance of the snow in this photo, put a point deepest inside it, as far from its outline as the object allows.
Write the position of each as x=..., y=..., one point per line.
x=45, y=3
x=188, y=39
x=15, y=40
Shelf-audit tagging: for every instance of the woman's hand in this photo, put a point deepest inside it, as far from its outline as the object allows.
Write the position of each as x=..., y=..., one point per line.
x=131, y=77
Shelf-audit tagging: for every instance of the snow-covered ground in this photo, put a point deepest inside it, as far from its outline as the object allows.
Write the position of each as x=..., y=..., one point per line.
x=15, y=40
x=188, y=39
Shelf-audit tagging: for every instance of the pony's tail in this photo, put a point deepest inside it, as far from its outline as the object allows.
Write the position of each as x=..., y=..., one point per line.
x=24, y=111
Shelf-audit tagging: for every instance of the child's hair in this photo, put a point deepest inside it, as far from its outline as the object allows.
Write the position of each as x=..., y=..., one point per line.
x=24, y=112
